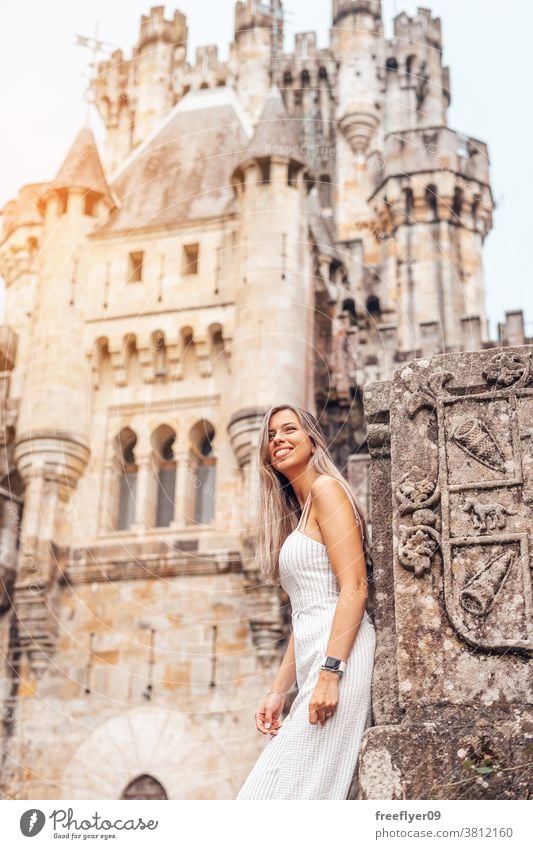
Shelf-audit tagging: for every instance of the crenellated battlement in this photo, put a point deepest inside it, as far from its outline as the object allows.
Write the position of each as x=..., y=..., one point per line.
x=342, y=8
x=252, y=14
x=156, y=28
x=422, y=28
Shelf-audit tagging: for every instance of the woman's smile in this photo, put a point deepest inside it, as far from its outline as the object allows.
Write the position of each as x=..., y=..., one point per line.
x=279, y=453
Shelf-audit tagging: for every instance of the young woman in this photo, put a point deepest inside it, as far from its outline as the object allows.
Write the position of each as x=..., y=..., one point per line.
x=322, y=565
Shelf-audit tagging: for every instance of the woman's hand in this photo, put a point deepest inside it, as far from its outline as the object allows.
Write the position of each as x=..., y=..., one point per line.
x=325, y=698
x=267, y=718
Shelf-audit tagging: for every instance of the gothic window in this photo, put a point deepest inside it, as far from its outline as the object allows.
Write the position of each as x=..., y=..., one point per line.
x=144, y=787
x=204, y=480
x=162, y=442
x=125, y=444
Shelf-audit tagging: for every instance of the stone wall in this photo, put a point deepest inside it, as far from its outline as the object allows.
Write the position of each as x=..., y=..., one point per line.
x=452, y=493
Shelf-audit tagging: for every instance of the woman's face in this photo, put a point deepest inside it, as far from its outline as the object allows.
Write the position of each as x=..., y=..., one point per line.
x=288, y=444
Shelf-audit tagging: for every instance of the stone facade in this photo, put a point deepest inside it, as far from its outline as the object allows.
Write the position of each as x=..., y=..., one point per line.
x=452, y=463
x=283, y=226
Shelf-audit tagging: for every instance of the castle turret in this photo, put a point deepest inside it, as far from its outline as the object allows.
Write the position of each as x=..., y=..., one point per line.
x=258, y=39
x=271, y=357
x=357, y=42
x=417, y=84
x=433, y=206
x=52, y=442
x=132, y=95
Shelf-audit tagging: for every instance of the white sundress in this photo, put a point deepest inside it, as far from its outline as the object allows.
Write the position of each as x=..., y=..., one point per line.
x=305, y=761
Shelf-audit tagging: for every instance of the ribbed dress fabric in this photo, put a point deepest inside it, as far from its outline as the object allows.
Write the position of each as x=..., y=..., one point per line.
x=305, y=761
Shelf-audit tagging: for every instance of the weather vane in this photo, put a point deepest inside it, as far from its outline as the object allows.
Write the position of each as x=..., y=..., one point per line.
x=96, y=46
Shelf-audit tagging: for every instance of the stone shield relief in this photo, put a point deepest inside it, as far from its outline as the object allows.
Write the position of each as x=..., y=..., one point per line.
x=469, y=496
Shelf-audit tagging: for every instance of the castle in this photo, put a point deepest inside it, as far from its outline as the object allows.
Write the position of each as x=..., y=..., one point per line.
x=276, y=227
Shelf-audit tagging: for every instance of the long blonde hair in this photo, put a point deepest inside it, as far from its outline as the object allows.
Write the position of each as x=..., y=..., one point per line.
x=278, y=509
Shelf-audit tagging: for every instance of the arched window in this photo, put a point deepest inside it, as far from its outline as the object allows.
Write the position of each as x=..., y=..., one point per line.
x=391, y=64
x=372, y=305
x=144, y=787
x=125, y=444
x=202, y=436
x=457, y=204
x=287, y=79
x=305, y=78
x=432, y=201
x=322, y=73
x=348, y=305
x=162, y=443
x=409, y=62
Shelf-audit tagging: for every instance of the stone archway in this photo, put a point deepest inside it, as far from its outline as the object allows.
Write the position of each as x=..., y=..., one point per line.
x=171, y=748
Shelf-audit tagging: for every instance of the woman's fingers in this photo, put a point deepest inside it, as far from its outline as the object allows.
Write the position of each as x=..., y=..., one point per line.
x=261, y=723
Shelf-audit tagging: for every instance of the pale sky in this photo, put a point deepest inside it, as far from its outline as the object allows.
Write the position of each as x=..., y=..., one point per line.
x=487, y=46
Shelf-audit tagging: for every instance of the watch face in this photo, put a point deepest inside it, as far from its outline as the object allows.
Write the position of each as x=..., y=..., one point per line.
x=331, y=663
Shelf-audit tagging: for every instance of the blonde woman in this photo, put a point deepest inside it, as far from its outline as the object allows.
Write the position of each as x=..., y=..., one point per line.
x=322, y=564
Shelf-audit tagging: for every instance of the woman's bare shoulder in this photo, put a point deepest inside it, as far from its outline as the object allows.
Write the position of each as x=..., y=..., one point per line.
x=326, y=484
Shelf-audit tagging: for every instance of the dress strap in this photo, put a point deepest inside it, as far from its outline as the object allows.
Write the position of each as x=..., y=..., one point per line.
x=351, y=497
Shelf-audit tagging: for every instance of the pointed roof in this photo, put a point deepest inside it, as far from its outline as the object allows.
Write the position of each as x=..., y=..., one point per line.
x=82, y=167
x=277, y=132
x=182, y=173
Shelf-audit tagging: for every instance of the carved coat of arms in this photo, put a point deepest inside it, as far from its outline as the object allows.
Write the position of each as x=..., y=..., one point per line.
x=480, y=493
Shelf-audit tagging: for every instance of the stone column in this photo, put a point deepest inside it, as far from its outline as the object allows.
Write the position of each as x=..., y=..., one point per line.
x=182, y=516
x=143, y=493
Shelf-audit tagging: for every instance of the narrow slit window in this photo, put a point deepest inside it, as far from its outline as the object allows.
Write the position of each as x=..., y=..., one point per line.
x=190, y=258
x=135, y=267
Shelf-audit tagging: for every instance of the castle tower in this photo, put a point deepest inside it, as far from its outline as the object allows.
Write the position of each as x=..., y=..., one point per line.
x=357, y=42
x=133, y=95
x=417, y=84
x=52, y=445
x=434, y=209
x=271, y=357
x=258, y=38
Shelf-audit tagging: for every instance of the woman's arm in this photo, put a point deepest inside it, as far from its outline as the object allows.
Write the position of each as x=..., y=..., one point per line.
x=268, y=717
x=342, y=537
x=286, y=676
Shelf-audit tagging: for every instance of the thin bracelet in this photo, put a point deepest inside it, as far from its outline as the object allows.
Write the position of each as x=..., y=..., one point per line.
x=276, y=693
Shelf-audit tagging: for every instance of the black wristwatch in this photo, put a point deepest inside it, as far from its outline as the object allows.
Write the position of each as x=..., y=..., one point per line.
x=334, y=664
